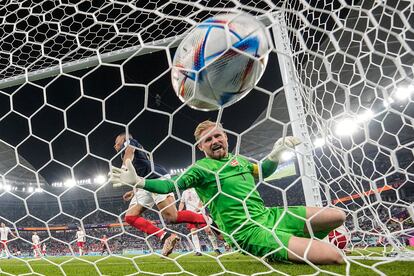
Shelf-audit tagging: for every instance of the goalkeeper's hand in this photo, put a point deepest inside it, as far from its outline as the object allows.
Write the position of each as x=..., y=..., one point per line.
x=282, y=144
x=128, y=176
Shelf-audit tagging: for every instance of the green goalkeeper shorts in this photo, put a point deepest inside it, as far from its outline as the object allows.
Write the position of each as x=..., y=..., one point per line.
x=261, y=241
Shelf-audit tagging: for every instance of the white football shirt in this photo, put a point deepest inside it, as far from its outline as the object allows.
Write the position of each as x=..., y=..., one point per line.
x=35, y=239
x=80, y=235
x=4, y=233
x=190, y=199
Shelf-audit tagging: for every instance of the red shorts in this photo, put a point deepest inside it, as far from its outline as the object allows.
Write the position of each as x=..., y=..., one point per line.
x=191, y=226
x=36, y=246
x=3, y=243
x=80, y=244
x=43, y=251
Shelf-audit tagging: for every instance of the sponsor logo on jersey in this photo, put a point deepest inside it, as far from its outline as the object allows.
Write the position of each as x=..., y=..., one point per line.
x=234, y=163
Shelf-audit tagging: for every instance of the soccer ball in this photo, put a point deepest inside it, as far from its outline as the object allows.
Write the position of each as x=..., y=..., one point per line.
x=220, y=61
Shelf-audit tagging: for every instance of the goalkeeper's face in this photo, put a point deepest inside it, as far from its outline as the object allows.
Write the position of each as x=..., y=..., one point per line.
x=214, y=143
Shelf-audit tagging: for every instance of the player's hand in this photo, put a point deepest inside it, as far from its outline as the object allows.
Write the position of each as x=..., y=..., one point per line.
x=126, y=177
x=282, y=144
x=128, y=195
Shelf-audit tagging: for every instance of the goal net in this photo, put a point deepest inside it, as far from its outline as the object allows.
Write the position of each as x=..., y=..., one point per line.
x=75, y=74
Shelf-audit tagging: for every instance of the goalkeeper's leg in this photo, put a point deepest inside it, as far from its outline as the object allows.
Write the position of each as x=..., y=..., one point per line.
x=314, y=251
x=323, y=220
x=282, y=246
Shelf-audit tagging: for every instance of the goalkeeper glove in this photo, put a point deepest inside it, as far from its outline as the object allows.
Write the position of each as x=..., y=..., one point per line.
x=128, y=176
x=282, y=144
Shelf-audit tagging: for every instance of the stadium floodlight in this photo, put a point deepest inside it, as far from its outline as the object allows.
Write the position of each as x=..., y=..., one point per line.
x=388, y=102
x=69, y=183
x=345, y=127
x=30, y=190
x=7, y=187
x=365, y=116
x=403, y=92
x=38, y=190
x=99, y=179
x=287, y=155
x=319, y=142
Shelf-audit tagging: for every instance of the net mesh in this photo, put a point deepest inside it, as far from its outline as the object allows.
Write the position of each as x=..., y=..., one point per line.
x=74, y=74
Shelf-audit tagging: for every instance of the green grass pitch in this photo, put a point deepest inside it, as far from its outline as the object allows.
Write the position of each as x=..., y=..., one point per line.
x=182, y=264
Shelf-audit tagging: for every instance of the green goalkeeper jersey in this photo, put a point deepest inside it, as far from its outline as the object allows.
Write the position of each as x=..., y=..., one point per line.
x=228, y=188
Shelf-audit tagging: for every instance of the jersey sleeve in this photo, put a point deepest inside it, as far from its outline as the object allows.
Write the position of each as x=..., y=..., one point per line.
x=268, y=167
x=191, y=178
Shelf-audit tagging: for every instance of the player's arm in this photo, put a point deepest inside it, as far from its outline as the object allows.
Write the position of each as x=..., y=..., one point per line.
x=128, y=154
x=11, y=233
x=128, y=195
x=199, y=207
x=159, y=186
x=273, y=159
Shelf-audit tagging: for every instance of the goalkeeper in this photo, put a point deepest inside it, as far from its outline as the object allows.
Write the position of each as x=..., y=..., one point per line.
x=227, y=183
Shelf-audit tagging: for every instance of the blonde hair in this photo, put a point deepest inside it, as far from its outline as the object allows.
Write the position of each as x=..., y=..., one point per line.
x=204, y=126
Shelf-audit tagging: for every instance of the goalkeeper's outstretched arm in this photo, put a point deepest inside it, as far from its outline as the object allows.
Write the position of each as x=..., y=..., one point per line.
x=159, y=186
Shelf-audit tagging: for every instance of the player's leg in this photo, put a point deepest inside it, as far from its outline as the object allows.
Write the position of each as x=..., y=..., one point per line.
x=166, y=204
x=147, y=199
x=283, y=246
x=213, y=240
x=195, y=240
x=80, y=247
x=5, y=248
x=324, y=219
x=292, y=234
x=136, y=208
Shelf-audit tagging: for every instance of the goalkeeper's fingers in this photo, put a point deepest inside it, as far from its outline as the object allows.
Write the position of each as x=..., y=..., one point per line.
x=129, y=166
x=115, y=179
x=116, y=170
x=291, y=141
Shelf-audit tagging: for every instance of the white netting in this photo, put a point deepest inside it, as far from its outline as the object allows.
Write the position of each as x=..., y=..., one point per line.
x=75, y=74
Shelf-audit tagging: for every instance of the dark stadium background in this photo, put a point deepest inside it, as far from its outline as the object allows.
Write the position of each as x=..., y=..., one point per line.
x=150, y=128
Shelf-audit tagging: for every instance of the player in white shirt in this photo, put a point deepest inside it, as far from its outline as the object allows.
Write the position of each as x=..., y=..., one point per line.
x=44, y=249
x=191, y=201
x=81, y=239
x=36, y=245
x=4, y=234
